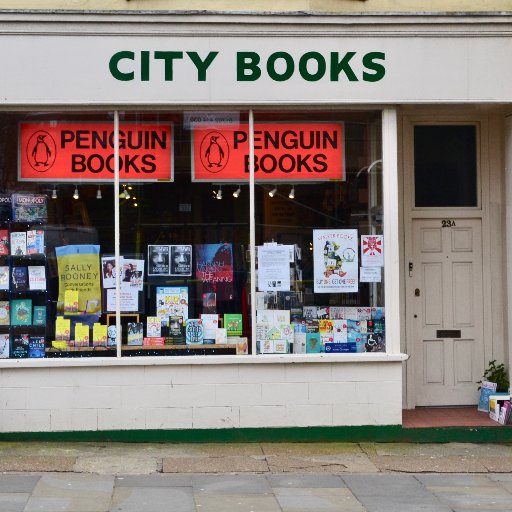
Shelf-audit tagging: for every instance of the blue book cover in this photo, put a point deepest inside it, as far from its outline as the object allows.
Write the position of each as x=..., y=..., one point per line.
x=19, y=279
x=36, y=346
x=194, y=331
x=39, y=315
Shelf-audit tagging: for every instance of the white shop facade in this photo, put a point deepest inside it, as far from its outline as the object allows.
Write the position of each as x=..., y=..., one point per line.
x=236, y=223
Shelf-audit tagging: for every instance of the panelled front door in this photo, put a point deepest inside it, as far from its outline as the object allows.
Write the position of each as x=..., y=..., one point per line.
x=445, y=292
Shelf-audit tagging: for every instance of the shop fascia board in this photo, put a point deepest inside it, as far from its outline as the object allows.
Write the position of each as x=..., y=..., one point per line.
x=204, y=360
x=254, y=24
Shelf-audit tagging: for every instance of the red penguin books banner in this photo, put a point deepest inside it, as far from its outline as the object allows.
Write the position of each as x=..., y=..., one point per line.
x=61, y=152
x=283, y=152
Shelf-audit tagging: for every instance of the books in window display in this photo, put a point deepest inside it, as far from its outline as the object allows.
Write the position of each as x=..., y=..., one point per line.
x=194, y=331
x=135, y=333
x=5, y=312
x=29, y=207
x=233, y=324
x=39, y=315
x=35, y=241
x=36, y=347
x=18, y=243
x=21, y=312
x=5, y=342
x=153, y=327
x=19, y=279
x=4, y=277
x=4, y=242
x=210, y=326
x=5, y=207
x=176, y=330
x=19, y=346
x=37, y=277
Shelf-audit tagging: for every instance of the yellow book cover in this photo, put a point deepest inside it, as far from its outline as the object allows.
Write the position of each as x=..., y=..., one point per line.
x=81, y=335
x=62, y=328
x=71, y=301
x=325, y=326
x=99, y=334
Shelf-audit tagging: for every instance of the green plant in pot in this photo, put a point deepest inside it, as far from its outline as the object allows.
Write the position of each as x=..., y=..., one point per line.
x=497, y=373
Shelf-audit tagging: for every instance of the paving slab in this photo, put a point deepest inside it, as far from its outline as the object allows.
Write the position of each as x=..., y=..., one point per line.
x=117, y=465
x=230, y=484
x=157, y=480
x=50, y=504
x=36, y=463
x=237, y=502
x=438, y=449
x=309, y=481
x=216, y=464
x=352, y=463
x=496, y=464
x=473, y=497
x=72, y=491
x=432, y=464
x=393, y=493
x=462, y=480
x=18, y=483
x=13, y=502
x=153, y=499
x=314, y=500
x=311, y=449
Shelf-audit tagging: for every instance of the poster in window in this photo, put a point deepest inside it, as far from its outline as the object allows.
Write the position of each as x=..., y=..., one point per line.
x=335, y=254
x=274, y=267
x=132, y=276
x=181, y=260
x=372, y=250
x=214, y=269
x=158, y=260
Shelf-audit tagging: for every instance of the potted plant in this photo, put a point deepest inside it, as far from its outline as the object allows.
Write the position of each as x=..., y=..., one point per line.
x=498, y=374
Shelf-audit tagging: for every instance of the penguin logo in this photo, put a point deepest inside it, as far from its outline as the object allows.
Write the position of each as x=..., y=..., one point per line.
x=214, y=152
x=41, y=151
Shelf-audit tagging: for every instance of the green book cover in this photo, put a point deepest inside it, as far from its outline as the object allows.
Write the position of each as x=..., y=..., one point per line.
x=39, y=316
x=233, y=324
x=21, y=312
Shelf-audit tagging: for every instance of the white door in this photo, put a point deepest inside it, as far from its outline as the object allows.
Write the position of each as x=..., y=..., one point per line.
x=445, y=291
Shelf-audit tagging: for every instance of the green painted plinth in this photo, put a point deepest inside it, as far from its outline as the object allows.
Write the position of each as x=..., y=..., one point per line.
x=352, y=434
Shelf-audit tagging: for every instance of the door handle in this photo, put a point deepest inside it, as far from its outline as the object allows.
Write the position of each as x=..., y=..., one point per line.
x=417, y=292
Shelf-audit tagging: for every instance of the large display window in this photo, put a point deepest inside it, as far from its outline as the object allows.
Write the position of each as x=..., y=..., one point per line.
x=173, y=233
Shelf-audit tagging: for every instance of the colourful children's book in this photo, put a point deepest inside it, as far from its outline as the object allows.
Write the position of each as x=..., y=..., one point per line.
x=21, y=312
x=153, y=327
x=35, y=241
x=233, y=324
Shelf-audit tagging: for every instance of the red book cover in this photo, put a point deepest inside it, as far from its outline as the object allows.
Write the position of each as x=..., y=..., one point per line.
x=4, y=242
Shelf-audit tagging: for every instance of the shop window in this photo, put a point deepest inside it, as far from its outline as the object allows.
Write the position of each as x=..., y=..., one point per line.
x=56, y=217
x=445, y=166
x=183, y=262
x=319, y=234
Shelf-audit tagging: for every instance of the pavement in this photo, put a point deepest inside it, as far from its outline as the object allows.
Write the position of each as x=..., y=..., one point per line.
x=255, y=477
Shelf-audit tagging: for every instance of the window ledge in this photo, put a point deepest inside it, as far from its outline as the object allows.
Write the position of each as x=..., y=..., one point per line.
x=203, y=360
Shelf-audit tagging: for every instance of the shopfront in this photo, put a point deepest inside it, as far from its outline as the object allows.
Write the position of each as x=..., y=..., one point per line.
x=209, y=230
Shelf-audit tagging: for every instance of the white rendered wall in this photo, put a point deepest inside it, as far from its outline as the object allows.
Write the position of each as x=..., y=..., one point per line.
x=200, y=396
